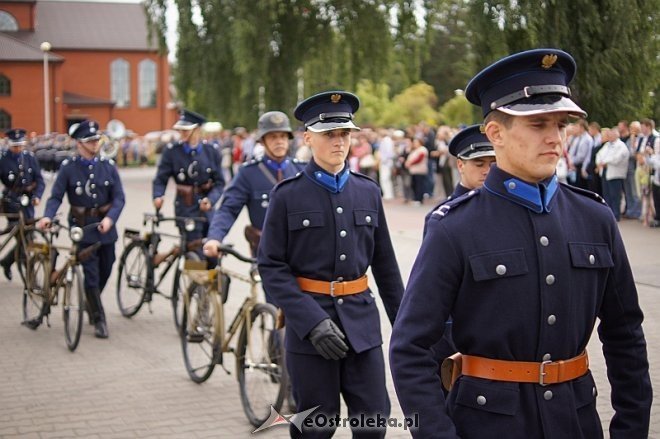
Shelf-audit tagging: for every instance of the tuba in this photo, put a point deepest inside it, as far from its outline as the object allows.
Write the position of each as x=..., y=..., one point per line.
x=109, y=141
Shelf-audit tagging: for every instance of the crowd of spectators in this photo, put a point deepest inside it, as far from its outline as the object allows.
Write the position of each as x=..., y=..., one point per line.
x=621, y=163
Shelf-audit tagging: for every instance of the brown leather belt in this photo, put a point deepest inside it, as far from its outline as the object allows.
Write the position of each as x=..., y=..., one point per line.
x=334, y=288
x=544, y=373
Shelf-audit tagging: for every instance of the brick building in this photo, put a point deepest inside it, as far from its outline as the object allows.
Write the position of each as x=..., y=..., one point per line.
x=101, y=65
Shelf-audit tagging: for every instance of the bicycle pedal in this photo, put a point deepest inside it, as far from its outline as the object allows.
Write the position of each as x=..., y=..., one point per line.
x=224, y=368
x=195, y=337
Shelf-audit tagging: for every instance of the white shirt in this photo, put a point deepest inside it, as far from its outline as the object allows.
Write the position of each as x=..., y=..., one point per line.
x=615, y=156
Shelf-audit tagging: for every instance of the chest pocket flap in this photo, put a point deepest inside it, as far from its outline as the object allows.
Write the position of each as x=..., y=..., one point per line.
x=493, y=265
x=498, y=397
x=585, y=255
x=366, y=217
x=305, y=220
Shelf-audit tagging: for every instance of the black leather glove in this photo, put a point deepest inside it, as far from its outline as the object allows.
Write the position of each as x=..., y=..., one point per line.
x=327, y=339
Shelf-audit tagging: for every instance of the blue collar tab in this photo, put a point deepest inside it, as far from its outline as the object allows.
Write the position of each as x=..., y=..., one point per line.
x=87, y=162
x=536, y=197
x=331, y=183
x=275, y=165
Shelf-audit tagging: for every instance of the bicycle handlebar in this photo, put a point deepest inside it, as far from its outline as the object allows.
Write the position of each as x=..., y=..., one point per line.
x=158, y=218
x=229, y=249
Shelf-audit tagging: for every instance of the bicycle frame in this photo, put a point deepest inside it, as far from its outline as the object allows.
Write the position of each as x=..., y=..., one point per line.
x=151, y=240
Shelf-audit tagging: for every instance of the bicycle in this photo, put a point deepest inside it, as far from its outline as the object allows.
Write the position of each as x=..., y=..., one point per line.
x=261, y=372
x=50, y=280
x=24, y=232
x=137, y=280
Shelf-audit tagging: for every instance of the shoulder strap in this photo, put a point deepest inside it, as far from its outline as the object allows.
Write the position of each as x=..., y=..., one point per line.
x=264, y=170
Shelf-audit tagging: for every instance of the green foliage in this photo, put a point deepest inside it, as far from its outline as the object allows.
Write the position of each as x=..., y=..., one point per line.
x=415, y=104
x=374, y=102
x=382, y=49
x=458, y=111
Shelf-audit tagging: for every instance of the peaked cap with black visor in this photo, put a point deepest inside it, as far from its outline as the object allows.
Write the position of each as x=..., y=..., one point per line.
x=330, y=110
x=526, y=83
x=471, y=143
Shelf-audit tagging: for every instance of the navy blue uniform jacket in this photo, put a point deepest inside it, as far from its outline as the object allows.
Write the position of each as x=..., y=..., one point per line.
x=89, y=185
x=564, y=266
x=191, y=167
x=18, y=172
x=302, y=236
x=251, y=187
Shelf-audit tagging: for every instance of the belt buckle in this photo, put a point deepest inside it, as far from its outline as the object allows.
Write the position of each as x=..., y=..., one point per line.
x=332, y=288
x=543, y=373
x=526, y=91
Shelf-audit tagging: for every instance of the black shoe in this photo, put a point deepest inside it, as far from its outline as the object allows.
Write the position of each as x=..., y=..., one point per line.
x=100, y=329
x=6, y=268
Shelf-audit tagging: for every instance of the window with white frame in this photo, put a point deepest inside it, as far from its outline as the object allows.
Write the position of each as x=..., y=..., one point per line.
x=148, y=83
x=120, y=82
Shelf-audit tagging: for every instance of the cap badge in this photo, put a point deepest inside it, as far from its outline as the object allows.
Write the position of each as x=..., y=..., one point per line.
x=482, y=129
x=276, y=119
x=335, y=98
x=548, y=61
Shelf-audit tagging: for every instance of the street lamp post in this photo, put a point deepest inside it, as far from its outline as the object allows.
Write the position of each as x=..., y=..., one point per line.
x=45, y=48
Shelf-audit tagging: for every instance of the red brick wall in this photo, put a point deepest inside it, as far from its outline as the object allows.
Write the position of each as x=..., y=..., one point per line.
x=22, y=12
x=26, y=103
x=88, y=73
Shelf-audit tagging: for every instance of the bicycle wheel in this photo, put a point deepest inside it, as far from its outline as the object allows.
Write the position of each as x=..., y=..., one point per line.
x=260, y=364
x=36, y=291
x=180, y=284
x=35, y=239
x=73, y=306
x=201, y=332
x=134, y=272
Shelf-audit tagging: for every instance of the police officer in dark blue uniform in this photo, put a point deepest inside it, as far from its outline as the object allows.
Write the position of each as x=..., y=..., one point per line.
x=524, y=266
x=194, y=165
x=323, y=229
x=95, y=193
x=475, y=155
x=21, y=175
x=255, y=179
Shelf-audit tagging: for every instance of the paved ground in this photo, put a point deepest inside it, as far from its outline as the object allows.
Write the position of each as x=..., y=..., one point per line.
x=134, y=384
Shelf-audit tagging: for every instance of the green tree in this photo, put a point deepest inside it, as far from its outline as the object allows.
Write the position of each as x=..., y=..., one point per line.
x=415, y=104
x=458, y=111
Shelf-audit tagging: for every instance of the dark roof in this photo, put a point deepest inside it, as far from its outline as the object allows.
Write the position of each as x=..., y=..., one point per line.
x=12, y=49
x=76, y=99
x=90, y=26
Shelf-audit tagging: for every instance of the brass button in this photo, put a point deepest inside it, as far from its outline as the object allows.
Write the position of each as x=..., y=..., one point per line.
x=342, y=233
x=305, y=223
x=547, y=357
x=367, y=219
x=552, y=319
x=340, y=301
x=592, y=259
x=500, y=269
x=340, y=210
x=549, y=279
x=544, y=241
x=481, y=400
x=547, y=395
x=342, y=257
